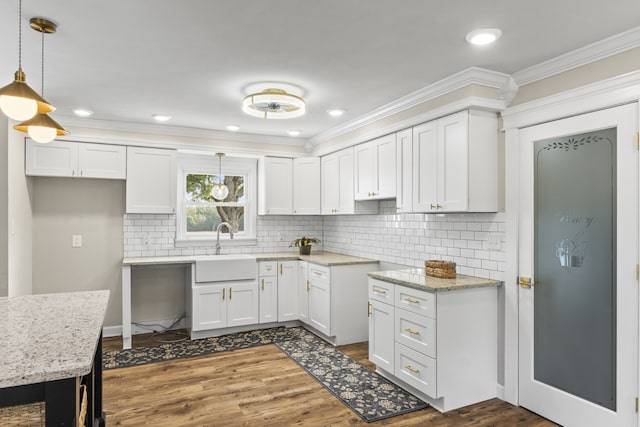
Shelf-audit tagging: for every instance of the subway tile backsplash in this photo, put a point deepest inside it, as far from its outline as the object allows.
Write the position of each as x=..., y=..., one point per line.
x=475, y=241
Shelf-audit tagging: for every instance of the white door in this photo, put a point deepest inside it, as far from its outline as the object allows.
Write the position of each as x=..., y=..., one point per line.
x=287, y=291
x=209, y=307
x=304, y=288
x=425, y=167
x=363, y=171
x=578, y=247
x=453, y=162
x=381, y=335
x=306, y=186
x=404, y=171
x=384, y=167
x=268, y=299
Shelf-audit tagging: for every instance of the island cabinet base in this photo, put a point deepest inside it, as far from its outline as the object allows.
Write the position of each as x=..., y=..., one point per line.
x=443, y=347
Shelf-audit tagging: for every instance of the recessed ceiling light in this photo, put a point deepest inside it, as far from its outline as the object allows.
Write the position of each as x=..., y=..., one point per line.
x=161, y=117
x=336, y=112
x=483, y=36
x=294, y=132
x=82, y=112
x=233, y=128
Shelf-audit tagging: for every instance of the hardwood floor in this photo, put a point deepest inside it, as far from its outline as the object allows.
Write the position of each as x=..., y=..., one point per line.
x=260, y=386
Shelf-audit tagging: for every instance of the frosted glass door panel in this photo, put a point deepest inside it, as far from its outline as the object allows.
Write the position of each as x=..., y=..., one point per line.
x=575, y=259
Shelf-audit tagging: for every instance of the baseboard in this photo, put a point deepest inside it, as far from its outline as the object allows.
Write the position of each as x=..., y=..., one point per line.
x=154, y=326
x=500, y=392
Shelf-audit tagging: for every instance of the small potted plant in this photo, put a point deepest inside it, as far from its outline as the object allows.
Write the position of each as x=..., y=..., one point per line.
x=304, y=243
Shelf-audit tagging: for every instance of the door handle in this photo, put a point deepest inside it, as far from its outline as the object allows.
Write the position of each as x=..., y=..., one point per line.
x=524, y=282
x=223, y=289
x=263, y=284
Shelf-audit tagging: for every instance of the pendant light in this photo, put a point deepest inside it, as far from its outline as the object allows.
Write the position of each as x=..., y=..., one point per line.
x=42, y=128
x=17, y=100
x=219, y=190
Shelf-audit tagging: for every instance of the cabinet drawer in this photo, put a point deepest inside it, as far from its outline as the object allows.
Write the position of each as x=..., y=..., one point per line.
x=268, y=268
x=381, y=291
x=416, y=332
x=416, y=369
x=319, y=272
x=416, y=301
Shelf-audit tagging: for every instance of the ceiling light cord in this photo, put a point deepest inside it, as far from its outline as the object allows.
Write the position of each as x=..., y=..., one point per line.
x=20, y=35
x=42, y=68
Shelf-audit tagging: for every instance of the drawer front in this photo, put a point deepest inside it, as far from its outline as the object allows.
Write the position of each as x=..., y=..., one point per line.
x=416, y=332
x=268, y=268
x=416, y=301
x=381, y=291
x=319, y=272
x=416, y=369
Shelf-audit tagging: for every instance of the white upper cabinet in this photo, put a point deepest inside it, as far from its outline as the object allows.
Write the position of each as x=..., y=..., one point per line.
x=455, y=164
x=151, y=180
x=306, y=186
x=404, y=171
x=337, y=186
x=289, y=186
x=275, y=186
x=375, y=169
x=75, y=159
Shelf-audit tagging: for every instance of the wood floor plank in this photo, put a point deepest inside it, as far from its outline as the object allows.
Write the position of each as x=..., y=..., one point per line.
x=261, y=386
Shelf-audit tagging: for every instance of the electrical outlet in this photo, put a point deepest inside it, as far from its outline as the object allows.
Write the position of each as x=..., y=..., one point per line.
x=76, y=241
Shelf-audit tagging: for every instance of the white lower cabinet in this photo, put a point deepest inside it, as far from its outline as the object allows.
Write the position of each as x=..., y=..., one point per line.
x=320, y=298
x=440, y=346
x=303, y=291
x=287, y=291
x=268, y=284
x=222, y=305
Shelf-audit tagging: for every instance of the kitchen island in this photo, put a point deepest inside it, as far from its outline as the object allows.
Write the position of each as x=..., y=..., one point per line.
x=52, y=352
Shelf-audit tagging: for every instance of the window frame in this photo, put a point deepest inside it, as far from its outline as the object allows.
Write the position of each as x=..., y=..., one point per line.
x=208, y=164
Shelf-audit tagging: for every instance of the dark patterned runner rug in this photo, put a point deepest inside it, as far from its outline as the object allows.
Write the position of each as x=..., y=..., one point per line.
x=366, y=393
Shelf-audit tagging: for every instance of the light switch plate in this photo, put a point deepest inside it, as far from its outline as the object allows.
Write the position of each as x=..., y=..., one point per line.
x=76, y=241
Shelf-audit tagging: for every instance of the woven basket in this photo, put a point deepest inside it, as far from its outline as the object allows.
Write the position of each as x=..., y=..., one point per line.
x=440, y=269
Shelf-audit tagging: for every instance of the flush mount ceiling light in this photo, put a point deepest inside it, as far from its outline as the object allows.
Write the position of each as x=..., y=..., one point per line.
x=483, y=36
x=17, y=100
x=233, y=128
x=219, y=190
x=42, y=128
x=294, y=132
x=273, y=104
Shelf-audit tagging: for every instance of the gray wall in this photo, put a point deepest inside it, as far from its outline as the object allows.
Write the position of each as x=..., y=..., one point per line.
x=93, y=208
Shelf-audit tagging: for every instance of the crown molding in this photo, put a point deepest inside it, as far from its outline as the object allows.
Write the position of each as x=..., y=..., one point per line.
x=178, y=131
x=471, y=102
x=618, y=90
x=595, y=51
x=473, y=75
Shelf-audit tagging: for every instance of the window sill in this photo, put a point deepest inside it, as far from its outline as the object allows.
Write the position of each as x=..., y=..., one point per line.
x=186, y=243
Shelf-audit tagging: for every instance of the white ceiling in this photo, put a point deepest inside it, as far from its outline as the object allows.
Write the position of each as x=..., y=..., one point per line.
x=197, y=59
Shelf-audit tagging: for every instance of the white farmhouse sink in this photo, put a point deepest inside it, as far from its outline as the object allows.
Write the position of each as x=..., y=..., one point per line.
x=223, y=268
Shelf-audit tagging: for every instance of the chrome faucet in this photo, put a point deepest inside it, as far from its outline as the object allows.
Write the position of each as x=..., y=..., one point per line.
x=218, y=247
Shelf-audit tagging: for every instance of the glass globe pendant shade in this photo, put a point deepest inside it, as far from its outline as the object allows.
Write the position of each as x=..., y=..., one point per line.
x=19, y=102
x=42, y=134
x=17, y=108
x=41, y=128
x=219, y=191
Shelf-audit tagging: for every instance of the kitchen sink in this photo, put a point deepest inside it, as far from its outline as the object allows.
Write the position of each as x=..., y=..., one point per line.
x=223, y=268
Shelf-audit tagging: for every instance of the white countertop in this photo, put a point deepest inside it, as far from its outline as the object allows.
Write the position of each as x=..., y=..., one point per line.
x=416, y=278
x=322, y=258
x=49, y=337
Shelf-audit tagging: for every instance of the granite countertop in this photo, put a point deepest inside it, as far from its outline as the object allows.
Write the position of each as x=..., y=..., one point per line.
x=49, y=337
x=416, y=278
x=322, y=258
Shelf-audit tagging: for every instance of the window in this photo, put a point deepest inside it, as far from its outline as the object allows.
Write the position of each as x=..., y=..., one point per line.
x=200, y=214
